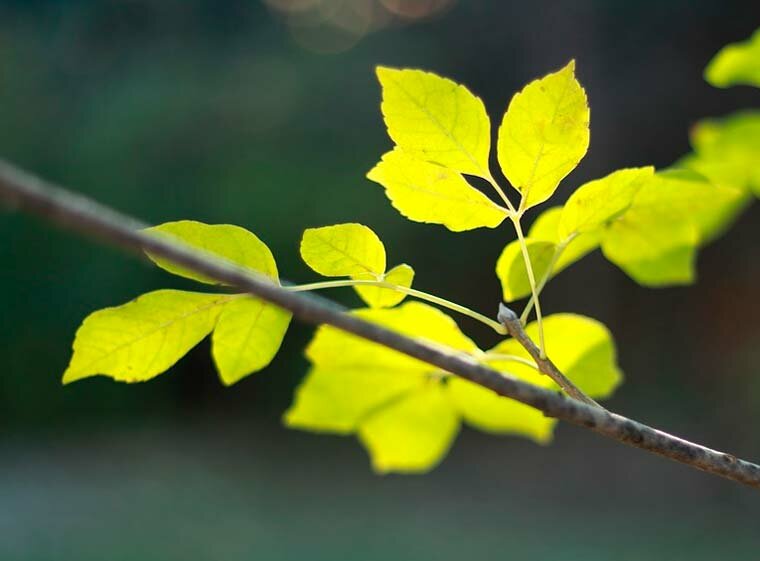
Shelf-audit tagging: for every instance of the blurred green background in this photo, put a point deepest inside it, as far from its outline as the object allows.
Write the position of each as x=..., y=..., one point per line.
x=266, y=115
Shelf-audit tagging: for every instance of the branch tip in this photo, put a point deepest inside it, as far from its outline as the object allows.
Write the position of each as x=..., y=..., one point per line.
x=506, y=314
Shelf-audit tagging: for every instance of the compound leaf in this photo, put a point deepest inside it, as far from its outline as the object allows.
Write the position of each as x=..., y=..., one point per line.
x=426, y=192
x=407, y=413
x=143, y=338
x=544, y=134
x=736, y=64
x=511, y=270
x=413, y=433
x=397, y=405
x=343, y=250
x=435, y=119
x=247, y=336
x=378, y=297
x=233, y=243
x=597, y=202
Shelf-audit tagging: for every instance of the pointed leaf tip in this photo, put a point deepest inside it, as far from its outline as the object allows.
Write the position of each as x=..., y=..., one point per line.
x=544, y=134
x=142, y=338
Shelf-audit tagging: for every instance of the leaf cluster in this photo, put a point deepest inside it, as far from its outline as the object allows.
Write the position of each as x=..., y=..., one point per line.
x=649, y=223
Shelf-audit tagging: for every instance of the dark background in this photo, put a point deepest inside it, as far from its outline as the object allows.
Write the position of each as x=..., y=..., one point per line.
x=267, y=116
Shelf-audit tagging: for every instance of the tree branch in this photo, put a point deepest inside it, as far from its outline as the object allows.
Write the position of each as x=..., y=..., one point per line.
x=30, y=194
x=509, y=319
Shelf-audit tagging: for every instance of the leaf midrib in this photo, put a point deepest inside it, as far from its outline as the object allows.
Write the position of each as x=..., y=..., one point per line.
x=144, y=335
x=440, y=126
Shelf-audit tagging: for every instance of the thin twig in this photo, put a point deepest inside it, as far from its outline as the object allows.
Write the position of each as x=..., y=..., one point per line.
x=464, y=310
x=559, y=248
x=30, y=194
x=509, y=319
x=532, y=282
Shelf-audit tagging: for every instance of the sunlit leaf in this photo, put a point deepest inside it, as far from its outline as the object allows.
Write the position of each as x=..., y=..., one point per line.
x=413, y=433
x=335, y=399
x=483, y=409
x=247, y=336
x=377, y=297
x=546, y=225
x=719, y=171
x=511, y=270
x=652, y=252
x=597, y=202
x=335, y=348
x=396, y=404
x=407, y=413
x=353, y=377
x=427, y=192
x=728, y=150
x=655, y=240
x=544, y=134
x=581, y=347
x=435, y=119
x=735, y=64
x=725, y=210
x=233, y=243
x=143, y=338
x=343, y=250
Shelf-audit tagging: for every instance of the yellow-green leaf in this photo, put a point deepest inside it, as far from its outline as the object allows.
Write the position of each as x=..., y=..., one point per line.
x=511, y=270
x=397, y=405
x=435, y=119
x=544, y=134
x=546, y=228
x=335, y=400
x=426, y=192
x=655, y=240
x=247, y=336
x=412, y=434
x=546, y=225
x=335, y=348
x=407, y=413
x=724, y=173
x=581, y=347
x=377, y=297
x=343, y=250
x=233, y=243
x=584, y=350
x=736, y=64
x=143, y=338
x=490, y=412
x=597, y=202
x=728, y=150
x=651, y=251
